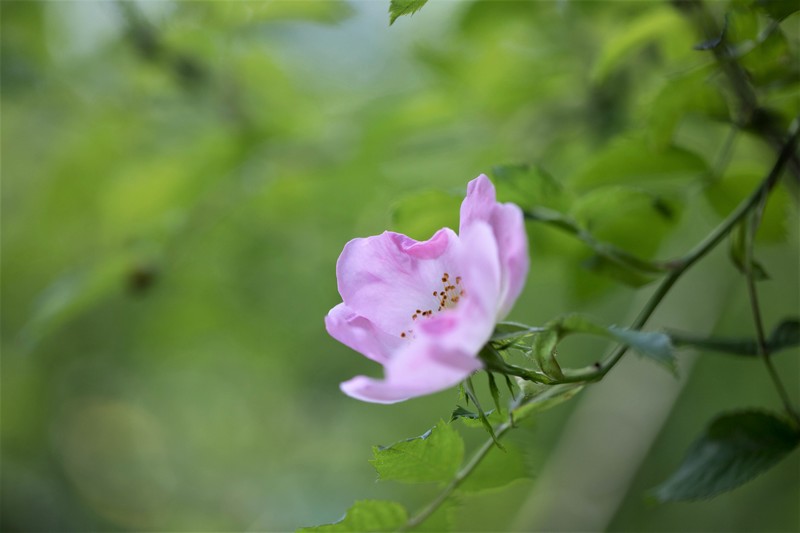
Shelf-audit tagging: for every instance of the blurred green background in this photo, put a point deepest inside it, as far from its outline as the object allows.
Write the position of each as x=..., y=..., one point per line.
x=178, y=179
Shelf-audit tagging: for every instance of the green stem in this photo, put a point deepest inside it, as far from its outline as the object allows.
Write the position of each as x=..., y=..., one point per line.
x=761, y=340
x=597, y=371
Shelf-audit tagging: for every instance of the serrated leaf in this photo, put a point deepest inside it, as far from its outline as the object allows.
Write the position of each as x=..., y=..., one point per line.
x=654, y=345
x=420, y=215
x=367, y=516
x=399, y=8
x=735, y=448
x=433, y=457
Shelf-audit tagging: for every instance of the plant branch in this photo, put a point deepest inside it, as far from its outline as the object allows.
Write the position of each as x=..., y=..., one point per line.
x=750, y=278
x=751, y=115
x=596, y=372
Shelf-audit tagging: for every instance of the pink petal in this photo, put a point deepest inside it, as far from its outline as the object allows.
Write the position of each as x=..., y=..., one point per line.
x=508, y=227
x=386, y=278
x=414, y=373
x=358, y=333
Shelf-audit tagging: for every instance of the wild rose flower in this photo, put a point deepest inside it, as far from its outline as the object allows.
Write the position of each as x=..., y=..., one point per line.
x=425, y=309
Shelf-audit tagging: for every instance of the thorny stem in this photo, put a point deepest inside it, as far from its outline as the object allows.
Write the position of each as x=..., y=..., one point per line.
x=763, y=348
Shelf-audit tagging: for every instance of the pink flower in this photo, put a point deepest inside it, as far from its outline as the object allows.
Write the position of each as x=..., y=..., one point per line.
x=425, y=309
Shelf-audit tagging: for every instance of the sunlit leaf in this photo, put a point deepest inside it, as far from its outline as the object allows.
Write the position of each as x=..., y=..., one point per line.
x=399, y=8
x=648, y=28
x=735, y=448
x=367, y=516
x=433, y=457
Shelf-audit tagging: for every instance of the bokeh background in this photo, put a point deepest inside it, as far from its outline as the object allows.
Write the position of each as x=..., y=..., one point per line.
x=178, y=179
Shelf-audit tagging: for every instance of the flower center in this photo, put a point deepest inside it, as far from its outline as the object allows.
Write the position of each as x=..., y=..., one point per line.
x=447, y=298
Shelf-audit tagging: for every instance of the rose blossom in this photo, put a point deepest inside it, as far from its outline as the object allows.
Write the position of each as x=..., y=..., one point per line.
x=425, y=309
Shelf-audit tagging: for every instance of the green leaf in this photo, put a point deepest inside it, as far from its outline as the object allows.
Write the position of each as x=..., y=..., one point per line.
x=399, y=8
x=690, y=93
x=528, y=186
x=650, y=27
x=635, y=161
x=420, y=215
x=367, y=516
x=607, y=213
x=778, y=9
x=656, y=346
x=785, y=335
x=433, y=457
x=735, y=448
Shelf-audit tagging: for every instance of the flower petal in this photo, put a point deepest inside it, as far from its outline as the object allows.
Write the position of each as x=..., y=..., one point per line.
x=358, y=333
x=508, y=227
x=386, y=278
x=415, y=372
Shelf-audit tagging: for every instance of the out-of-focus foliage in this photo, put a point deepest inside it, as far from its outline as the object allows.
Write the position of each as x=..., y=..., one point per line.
x=178, y=179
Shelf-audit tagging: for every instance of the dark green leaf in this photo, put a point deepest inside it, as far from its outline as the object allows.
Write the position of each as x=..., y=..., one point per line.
x=785, y=335
x=778, y=9
x=735, y=448
x=367, y=516
x=432, y=457
x=398, y=8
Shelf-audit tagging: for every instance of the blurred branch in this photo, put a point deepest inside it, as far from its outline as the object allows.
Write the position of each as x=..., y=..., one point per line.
x=751, y=115
x=750, y=276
